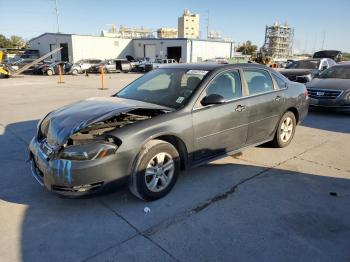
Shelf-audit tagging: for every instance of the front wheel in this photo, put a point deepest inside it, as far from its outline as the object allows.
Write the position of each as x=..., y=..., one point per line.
x=156, y=170
x=285, y=130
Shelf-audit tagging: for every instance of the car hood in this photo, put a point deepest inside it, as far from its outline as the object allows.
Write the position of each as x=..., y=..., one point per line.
x=65, y=121
x=329, y=83
x=297, y=72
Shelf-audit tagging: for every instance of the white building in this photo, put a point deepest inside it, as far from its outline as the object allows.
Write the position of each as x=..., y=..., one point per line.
x=182, y=49
x=77, y=47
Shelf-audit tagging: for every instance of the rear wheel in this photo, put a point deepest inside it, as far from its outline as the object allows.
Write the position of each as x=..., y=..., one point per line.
x=156, y=170
x=49, y=72
x=285, y=130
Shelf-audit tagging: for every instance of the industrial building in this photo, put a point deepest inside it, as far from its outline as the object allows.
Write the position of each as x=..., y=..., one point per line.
x=77, y=47
x=279, y=40
x=127, y=32
x=165, y=32
x=188, y=25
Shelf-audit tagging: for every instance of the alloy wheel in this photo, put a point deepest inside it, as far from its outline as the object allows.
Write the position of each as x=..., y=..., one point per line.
x=286, y=129
x=159, y=172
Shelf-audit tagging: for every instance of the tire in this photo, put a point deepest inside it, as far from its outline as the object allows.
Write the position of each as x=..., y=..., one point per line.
x=150, y=180
x=49, y=72
x=285, y=130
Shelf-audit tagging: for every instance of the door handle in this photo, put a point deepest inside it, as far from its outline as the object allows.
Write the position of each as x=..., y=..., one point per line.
x=277, y=98
x=240, y=108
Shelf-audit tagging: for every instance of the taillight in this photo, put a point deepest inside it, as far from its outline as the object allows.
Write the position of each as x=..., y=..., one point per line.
x=306, y=94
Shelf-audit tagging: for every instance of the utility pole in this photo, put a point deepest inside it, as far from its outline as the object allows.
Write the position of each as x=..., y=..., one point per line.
x=323, y=39
x=208, y=24
x=57, y=16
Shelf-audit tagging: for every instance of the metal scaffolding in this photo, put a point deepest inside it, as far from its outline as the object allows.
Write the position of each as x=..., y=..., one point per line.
x=279, y=40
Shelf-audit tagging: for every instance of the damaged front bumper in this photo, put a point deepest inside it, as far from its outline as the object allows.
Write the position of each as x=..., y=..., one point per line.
x=75, y=178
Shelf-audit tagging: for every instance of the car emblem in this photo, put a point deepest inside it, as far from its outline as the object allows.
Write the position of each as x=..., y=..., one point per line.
x=320, y=93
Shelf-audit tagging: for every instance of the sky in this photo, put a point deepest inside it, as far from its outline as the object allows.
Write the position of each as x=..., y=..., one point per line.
x=317, y=24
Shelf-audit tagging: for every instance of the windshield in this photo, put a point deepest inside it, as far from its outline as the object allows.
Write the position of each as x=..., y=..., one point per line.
x=167, y=87
x=304, y=64
x=342, y=72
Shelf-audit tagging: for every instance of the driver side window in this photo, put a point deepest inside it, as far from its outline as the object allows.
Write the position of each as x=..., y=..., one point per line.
x=227, y=84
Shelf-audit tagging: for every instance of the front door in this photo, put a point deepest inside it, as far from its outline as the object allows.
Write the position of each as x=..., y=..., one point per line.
x=220, y=128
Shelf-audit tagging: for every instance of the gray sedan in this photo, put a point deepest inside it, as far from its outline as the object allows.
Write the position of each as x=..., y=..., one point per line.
x=172, y=118
x=331, y=89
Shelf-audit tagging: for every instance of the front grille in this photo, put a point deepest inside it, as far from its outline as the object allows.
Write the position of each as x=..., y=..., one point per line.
x=323, y=93
x=86, y=188
x=46, y=149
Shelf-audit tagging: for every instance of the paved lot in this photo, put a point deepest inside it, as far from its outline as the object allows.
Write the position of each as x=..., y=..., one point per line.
x=268, y=204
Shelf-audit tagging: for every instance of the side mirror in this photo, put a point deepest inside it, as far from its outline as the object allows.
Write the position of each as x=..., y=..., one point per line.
x=316, y=75
x=324, y=68
x=212, y=99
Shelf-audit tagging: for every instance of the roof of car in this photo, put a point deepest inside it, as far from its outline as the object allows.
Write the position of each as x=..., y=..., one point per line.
x=210, y=66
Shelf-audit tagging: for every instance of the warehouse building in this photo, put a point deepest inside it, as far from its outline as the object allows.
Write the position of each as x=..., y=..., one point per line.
x=77, y=47
x=182, y=49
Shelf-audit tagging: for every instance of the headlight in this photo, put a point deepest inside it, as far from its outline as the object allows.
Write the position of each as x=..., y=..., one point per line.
x=89, y=151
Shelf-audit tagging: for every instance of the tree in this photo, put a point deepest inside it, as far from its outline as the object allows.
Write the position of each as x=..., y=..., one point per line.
x=12, y=42
x=17, y=42
x=247, y=48
x=4, y=42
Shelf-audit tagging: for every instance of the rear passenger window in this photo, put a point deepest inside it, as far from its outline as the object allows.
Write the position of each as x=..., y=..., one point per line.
x=259, y=81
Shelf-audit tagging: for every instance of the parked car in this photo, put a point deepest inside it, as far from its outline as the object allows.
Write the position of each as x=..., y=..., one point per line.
x=336, y=55
x=123, y=65
x=144, y=65
x=85, y=64
x=147, y=64
x=172, y=118
x=134, y=62
x=159, y=62
x=109, y=66
x=112, y=65
x=66, y=68
x=331, y=89
x=304, y=70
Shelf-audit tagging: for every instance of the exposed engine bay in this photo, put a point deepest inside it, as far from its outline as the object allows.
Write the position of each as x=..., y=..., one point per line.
x=98, y=131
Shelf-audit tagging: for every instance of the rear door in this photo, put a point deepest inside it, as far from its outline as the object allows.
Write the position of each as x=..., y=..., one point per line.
x=265, y=104
x=220, y=128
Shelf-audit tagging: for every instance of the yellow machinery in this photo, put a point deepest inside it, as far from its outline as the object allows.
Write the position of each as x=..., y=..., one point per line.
x=4, y=72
